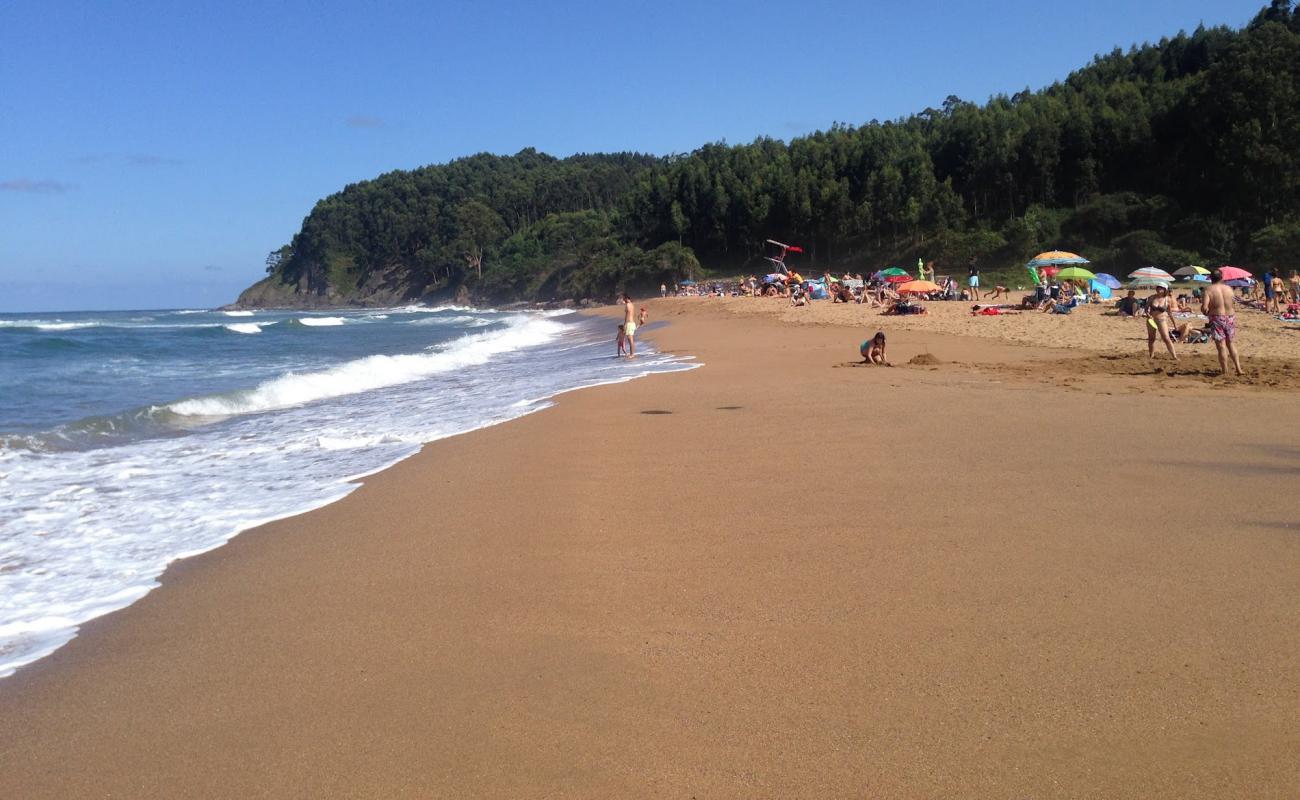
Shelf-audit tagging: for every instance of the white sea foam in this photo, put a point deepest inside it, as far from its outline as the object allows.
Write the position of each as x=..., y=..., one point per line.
x=238, y=313
x=371, y=372
x=89, y=531
x=317, y=322
x=47, y=324
x=243, y=327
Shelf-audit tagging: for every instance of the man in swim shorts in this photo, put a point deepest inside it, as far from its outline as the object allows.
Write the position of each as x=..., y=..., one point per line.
x=1217, y=305
x=629, y=324
x=974, y=281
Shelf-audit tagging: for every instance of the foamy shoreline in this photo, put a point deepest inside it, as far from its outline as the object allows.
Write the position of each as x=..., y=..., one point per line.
x=608, y=599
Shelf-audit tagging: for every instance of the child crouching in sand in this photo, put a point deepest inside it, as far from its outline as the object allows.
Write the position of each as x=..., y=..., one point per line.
x=873, y=350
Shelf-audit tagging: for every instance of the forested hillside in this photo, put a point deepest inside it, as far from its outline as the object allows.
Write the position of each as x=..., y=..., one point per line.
x=1184, y=151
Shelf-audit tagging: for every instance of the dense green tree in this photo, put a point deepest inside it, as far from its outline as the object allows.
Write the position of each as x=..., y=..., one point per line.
x=1184, y=149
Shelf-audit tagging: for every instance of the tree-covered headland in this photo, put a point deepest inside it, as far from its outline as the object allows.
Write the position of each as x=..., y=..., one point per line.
x=1183, y=151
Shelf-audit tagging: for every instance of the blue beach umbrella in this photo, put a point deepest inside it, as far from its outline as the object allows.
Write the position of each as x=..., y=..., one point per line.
x=686, y=283
x=1100, y=288
x=1107, y=280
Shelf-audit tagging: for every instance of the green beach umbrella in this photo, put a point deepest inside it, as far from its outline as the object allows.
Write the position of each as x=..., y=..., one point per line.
x=1075, y=274
x=893, y=271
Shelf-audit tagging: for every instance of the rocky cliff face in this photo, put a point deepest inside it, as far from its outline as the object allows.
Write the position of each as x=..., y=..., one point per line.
x=312, y=289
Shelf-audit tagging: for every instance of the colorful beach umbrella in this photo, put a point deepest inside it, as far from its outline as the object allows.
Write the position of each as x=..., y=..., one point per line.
x=1055, y=257
x=894, y=271
x=1148, y=283
x=1107, y=280
x=919, y=287
x=1233, y=273
x=1075, y=274
x=1240, y=282
x=904, y=278
x=1191, y=271
x=1153, y=273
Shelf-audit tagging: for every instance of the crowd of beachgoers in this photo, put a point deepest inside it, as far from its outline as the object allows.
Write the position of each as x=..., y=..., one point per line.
x=1178, y=308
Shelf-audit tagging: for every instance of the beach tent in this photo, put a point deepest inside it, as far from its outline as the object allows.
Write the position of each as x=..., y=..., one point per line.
x=1100, y=288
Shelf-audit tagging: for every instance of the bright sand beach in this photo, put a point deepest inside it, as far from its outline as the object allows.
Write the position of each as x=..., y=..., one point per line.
x=1052, y=570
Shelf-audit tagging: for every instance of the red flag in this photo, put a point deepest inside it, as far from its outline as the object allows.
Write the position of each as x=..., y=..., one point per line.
x=794, y=249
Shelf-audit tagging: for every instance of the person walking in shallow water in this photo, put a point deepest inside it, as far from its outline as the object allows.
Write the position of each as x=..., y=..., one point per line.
x=629, y=324
x=1217, y=305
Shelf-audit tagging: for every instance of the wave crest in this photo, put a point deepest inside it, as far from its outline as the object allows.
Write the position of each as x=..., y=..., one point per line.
x=371, y=372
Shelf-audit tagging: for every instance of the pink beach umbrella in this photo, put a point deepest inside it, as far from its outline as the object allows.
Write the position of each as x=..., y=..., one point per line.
x=1233, y=273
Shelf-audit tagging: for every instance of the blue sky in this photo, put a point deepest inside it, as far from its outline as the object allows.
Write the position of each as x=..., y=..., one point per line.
x=152, y=153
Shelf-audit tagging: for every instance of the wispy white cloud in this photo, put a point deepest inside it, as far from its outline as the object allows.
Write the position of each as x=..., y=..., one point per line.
x=130, y=159
x=29, y=186
x=363, y=121
x=151, y=160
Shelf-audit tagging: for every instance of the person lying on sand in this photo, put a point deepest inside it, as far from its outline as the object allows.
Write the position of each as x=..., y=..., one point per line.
x=873, y=350
x=902, y=307
x=990, y=311
x=1186, y=334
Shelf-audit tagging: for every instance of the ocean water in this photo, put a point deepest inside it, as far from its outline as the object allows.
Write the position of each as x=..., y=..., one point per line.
x=131, y=439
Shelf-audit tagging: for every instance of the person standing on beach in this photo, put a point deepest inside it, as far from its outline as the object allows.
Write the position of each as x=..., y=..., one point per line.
x=1217, y=305
x=1270, y=293
x=629, y=324
x=663, y=290
x=973, y=270
x=1160, y=320
x=641, y=318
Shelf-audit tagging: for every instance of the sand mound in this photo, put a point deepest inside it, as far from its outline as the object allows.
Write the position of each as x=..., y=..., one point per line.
x=924, y=360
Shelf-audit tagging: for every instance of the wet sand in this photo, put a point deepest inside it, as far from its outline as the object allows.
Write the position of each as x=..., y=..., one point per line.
x=781, y=575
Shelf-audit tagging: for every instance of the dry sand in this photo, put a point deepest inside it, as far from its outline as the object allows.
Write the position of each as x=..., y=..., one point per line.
x=991, y=575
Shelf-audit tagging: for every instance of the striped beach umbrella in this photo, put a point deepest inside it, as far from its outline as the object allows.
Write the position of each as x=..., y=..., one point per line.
x=1191, y=271
x=1147, y=283
x=1151, y=273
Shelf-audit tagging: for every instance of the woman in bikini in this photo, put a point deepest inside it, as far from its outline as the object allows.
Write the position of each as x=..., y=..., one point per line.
x=1160, y=319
